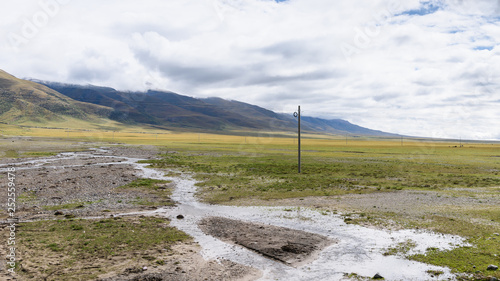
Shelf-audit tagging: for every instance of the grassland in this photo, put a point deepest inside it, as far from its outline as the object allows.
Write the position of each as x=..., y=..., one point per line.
x=230, y=172
x=263, y=169
x=86, y=246
x=157, y=188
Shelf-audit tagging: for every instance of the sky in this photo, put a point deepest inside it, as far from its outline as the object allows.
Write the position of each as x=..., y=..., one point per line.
x=418, y=68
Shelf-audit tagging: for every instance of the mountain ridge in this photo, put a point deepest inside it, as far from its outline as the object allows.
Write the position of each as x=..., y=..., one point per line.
x=216, y=113
x=155, y=108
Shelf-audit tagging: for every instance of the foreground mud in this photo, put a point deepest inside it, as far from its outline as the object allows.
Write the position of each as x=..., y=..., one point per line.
x=290, y=246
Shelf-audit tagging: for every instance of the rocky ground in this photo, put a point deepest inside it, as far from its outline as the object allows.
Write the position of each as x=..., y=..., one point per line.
x=89, y=182
x=86, y=186
x=186, y=265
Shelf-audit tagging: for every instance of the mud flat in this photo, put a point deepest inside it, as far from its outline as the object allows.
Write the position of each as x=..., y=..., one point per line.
x=290, y=246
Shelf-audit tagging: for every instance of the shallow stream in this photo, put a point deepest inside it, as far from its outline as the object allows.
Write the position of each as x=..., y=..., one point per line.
x=359, y=249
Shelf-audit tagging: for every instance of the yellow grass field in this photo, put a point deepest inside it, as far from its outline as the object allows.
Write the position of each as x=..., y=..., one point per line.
x=150, y=136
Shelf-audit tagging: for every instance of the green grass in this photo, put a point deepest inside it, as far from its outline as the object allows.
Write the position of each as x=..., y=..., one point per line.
x=95, y=241
x=474, y=259
x=38, y=154
x=28, y=196
x=154, y=187
x=476, y=226
x=152, y=184
x=68, y=206
x=231, y=172
x=11, y=154
x=401, y=248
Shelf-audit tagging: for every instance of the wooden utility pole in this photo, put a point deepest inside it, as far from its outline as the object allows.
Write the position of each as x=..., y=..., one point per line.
x=297, y=115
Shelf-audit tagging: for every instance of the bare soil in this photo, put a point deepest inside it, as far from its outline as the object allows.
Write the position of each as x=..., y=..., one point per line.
x=88, y=187
x=184, y=263
x=89, y=182
x=290, y=246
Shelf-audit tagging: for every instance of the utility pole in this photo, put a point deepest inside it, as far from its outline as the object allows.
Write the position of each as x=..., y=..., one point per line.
x=297, y=115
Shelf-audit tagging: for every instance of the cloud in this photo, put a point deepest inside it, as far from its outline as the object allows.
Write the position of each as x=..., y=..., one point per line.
x=427, y=68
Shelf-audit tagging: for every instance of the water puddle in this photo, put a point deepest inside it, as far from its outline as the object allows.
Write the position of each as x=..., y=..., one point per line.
x=359, y=250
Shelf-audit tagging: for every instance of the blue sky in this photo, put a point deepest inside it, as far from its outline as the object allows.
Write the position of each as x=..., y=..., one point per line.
x=425, y=8
x=425, y=68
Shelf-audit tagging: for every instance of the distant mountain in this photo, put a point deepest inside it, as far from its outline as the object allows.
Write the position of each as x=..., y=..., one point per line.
x=23, y=102
x=159, y=108
x=287, y=122
x=40, y=101
x=339, y=126
x=266, y=119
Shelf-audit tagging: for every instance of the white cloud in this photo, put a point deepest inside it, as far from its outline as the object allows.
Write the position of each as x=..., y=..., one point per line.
x=410, y=67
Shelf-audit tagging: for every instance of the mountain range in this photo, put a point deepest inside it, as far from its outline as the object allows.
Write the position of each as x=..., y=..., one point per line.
x=38, y=102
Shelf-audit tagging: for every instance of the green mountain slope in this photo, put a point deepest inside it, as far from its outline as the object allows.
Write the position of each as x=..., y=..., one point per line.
x=26, y=102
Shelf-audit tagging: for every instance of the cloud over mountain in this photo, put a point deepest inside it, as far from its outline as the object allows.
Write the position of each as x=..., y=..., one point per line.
x=412, y=67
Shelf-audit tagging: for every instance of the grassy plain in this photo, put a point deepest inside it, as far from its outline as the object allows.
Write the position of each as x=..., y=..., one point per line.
x=263, y=168
x=152, y=186
x=84, y=249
